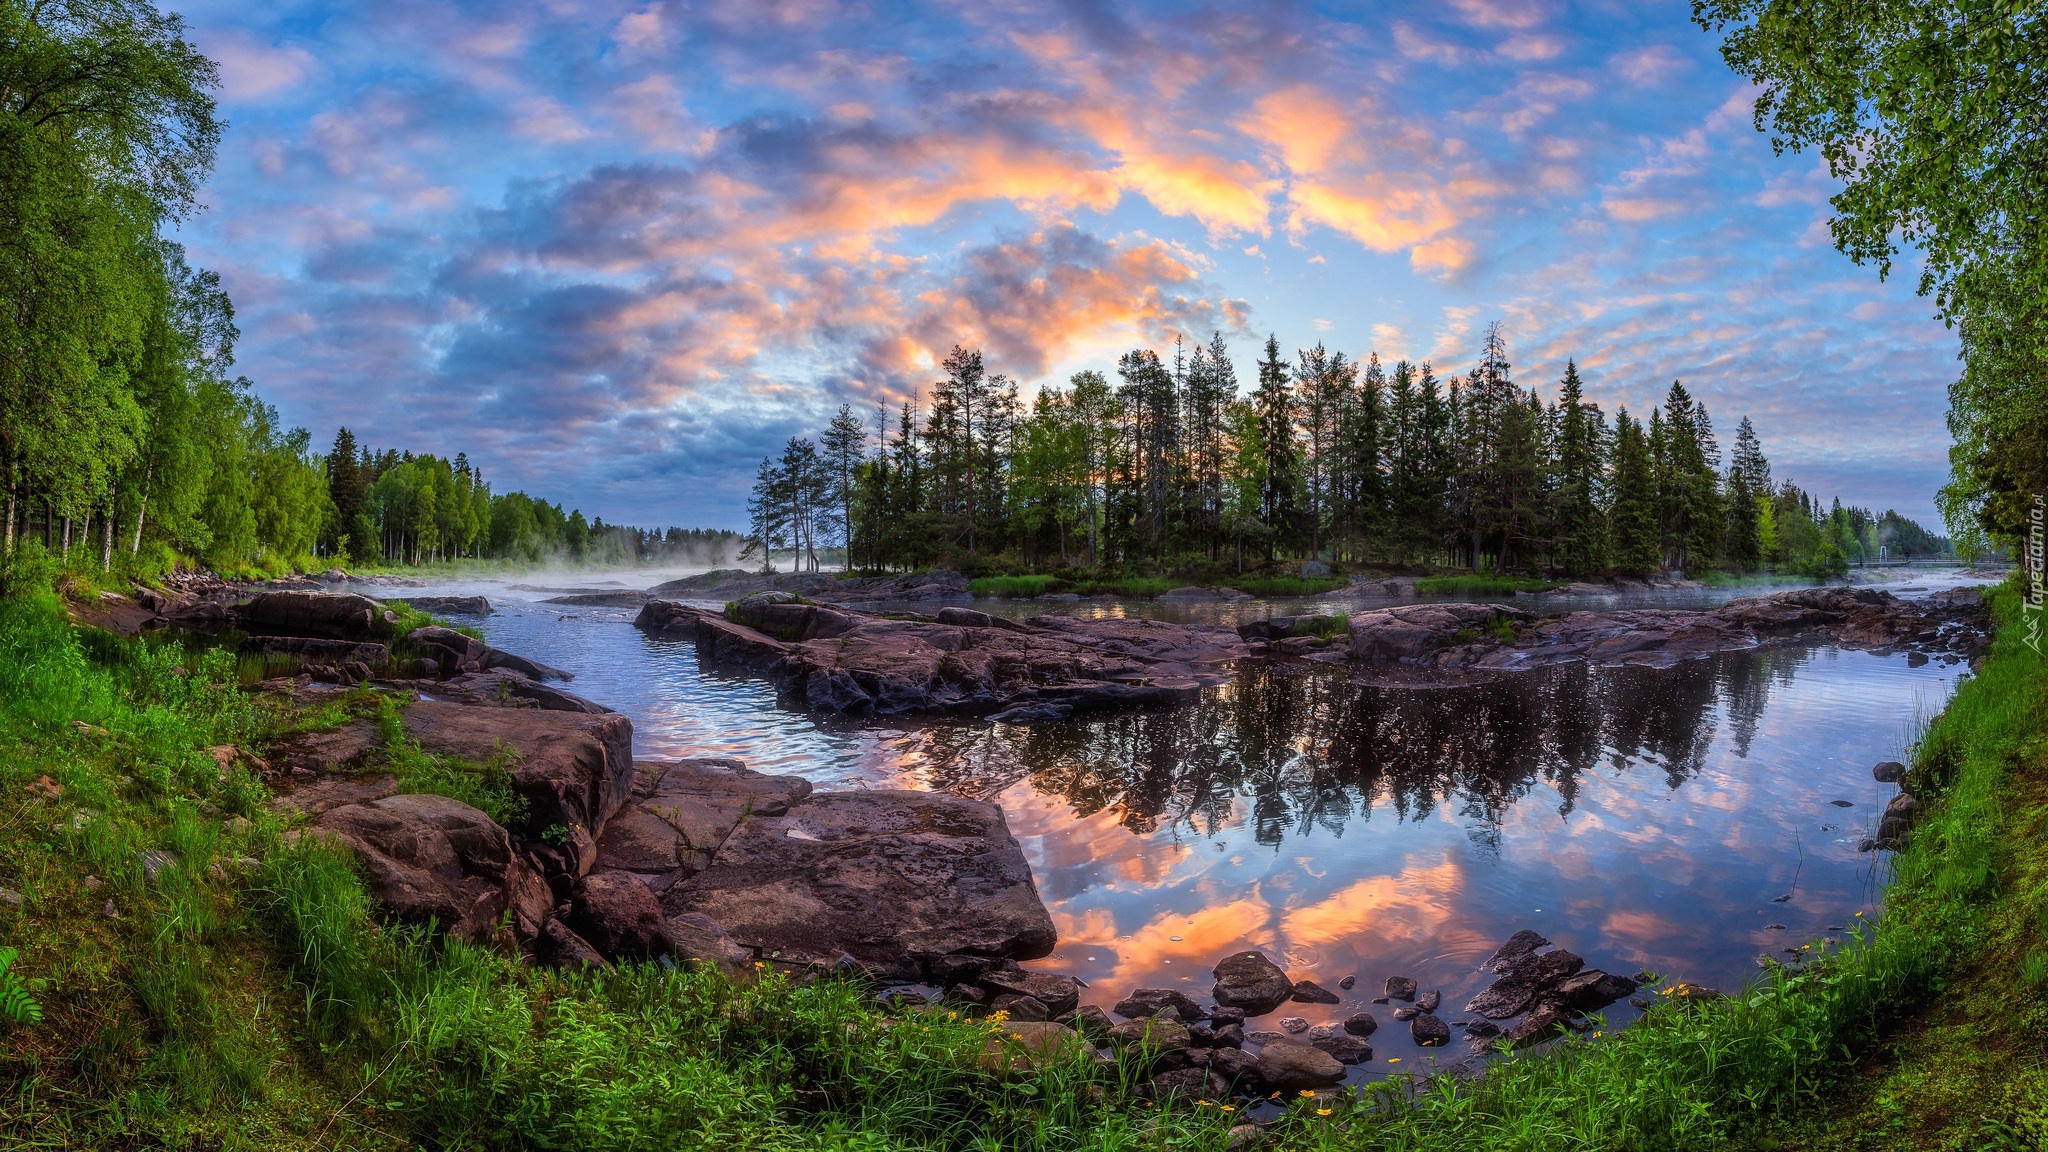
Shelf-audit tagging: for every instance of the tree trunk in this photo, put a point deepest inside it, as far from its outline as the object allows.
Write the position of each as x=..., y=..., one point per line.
x=141, y=511
x=107, y=539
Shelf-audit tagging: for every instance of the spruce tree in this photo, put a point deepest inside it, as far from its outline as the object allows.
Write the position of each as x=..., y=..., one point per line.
x=1582, y=527
x=1632, y=513
x=1275, y=405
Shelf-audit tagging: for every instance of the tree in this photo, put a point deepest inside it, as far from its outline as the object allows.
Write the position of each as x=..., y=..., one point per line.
x=1581, y=480
x=1929, y=113
x=1325, y=380
x=1632, y=512
x=1749, y=486
x=1280, y=479
x=845, y=443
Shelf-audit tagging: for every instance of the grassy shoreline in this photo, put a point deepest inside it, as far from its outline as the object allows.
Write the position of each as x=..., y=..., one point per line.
x=247, y=997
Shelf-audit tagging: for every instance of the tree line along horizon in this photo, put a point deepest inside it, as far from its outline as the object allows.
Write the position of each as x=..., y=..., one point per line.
x=1328, y=458
x=126, y=439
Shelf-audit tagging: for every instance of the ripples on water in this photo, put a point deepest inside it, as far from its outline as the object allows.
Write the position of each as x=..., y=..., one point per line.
x=1641, y=818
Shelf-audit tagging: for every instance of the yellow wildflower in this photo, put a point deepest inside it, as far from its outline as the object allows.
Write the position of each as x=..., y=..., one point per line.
x=1306, y=1094
x=1322, y=1111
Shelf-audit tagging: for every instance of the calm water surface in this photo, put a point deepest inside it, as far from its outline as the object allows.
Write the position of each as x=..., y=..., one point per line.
x=1643, y=819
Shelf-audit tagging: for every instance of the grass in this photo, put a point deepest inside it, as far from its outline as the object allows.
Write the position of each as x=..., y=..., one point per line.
x=237, y=1006
x=1015, y=586
x=1288, y=585
x=1484, y=585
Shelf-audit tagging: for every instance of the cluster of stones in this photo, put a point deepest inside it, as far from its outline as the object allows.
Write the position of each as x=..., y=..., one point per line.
x=1900, y=813
x=1551, y=991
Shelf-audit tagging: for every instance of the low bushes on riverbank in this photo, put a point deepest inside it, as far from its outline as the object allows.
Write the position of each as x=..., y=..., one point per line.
x=1484, y=585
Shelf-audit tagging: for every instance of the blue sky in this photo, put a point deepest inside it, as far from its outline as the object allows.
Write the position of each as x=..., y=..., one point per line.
x=619, y=251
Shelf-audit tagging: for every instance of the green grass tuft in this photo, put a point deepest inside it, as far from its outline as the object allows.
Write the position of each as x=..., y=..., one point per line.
x=1483, y=585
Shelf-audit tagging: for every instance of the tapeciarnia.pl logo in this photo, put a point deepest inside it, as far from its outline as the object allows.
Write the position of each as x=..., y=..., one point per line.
x=2035, y=557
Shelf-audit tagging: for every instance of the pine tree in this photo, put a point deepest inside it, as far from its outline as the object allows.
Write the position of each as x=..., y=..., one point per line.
x=1632, y=512
x=1275, y=405
x=845, y=443
x=1325, y=380
x=1749, y=486
x=1582, y=529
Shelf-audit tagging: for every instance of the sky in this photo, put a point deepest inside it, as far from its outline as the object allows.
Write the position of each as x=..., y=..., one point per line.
x=618, y=252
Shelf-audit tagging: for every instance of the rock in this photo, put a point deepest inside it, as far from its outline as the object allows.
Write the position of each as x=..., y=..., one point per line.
x=1521, y=980
x=617, y=914
x=1400, y=988
x=1146, y=1002
x=347, y=749
x=1287, y=1066
x=1429, y=1000
x=1249, y=981
x=1060, y=994
x=450, y=605
x=969, y=994
x=511, y=690
x=559, y=944
x=1189, y=594
x=1324, y=1031
x=1482, y=1029
x=939, y=970
x=1347, y=1049
x=1293, y=1025
x=1160, y=1039
x=1091, y=1022
x=1229, y=1035
x=1243, y=1138
x=1225, y=1014
x=1889, y=772
x=1591, y=989
x=888, y=877
x=1361, y=1024
x=498, y=659
x=1314, y=570
x=573, y=770
x=1263, y=1037
x=1429, y=1031
x=1033, y=1044
x=1348, y=983
x=313, y=650
x=1545, y=1020
x=1407, y=1012
x=1235, y=1065
x=155, y=861
x=695, y=936
x=1020, y=1007
x=680, y=812
x=1186, y=1084
x=1309, y=992
x=963, y=662
x=429, y=857
x=1521, y=944
x=456, y=653
x=11, y=897
x=320, y=615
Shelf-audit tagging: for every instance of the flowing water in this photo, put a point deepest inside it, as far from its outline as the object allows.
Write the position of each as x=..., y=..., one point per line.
x=1682, y=821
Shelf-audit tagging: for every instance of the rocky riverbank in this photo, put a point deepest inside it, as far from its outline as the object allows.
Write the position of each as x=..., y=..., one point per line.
x=957, y=661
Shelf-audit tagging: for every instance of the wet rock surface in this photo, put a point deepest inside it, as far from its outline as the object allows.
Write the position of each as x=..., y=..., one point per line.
x=958, y=661
x=1498, y=638
x=1249, y=981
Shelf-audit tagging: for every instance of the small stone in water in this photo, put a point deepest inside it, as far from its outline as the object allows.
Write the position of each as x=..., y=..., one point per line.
x=1379, y=999
x=1347, y=983
x=1774, y=927
x=1294, y=1024
x=1429, y=1000
x=1322, y=1032
x=1400, y=987
x=1407, y=1012
x=1843, y=803
x=1175, y=939
x=1781, y=899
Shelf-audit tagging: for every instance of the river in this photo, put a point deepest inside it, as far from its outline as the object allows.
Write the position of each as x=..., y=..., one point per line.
x=1683, y=822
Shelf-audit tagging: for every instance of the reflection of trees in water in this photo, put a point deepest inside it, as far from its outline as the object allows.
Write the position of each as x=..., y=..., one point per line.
x=1315, y=750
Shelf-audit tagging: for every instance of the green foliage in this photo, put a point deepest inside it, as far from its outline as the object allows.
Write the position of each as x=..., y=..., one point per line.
x=1483, y=585
x=1015, y=586
x=485, y=786
x=1925, y=111
x=17, y=1004
x=1287, y=585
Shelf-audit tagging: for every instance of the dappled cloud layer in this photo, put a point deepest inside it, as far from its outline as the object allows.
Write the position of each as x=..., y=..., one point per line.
x=625, y=248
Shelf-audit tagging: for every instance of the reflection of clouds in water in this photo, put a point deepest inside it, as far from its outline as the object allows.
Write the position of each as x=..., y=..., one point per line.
x=1649, y=815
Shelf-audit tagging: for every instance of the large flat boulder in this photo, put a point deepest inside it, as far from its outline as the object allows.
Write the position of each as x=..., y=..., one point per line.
x=882, y=876
x=319, y=615
x=432, y=858
x=574, y=770
x=499, y=688
x=681, y=813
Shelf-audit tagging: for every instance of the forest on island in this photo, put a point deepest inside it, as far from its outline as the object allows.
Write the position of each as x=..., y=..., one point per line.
x=1328, y=458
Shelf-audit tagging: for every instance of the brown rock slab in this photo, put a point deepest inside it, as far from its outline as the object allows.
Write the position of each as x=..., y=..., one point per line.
x=617, y=914
x=886, y=877
x=573, y=770
x=1287, y=1066
x=432, y=858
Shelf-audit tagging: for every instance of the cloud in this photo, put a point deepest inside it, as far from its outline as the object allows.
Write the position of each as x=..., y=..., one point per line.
x=251, y=70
